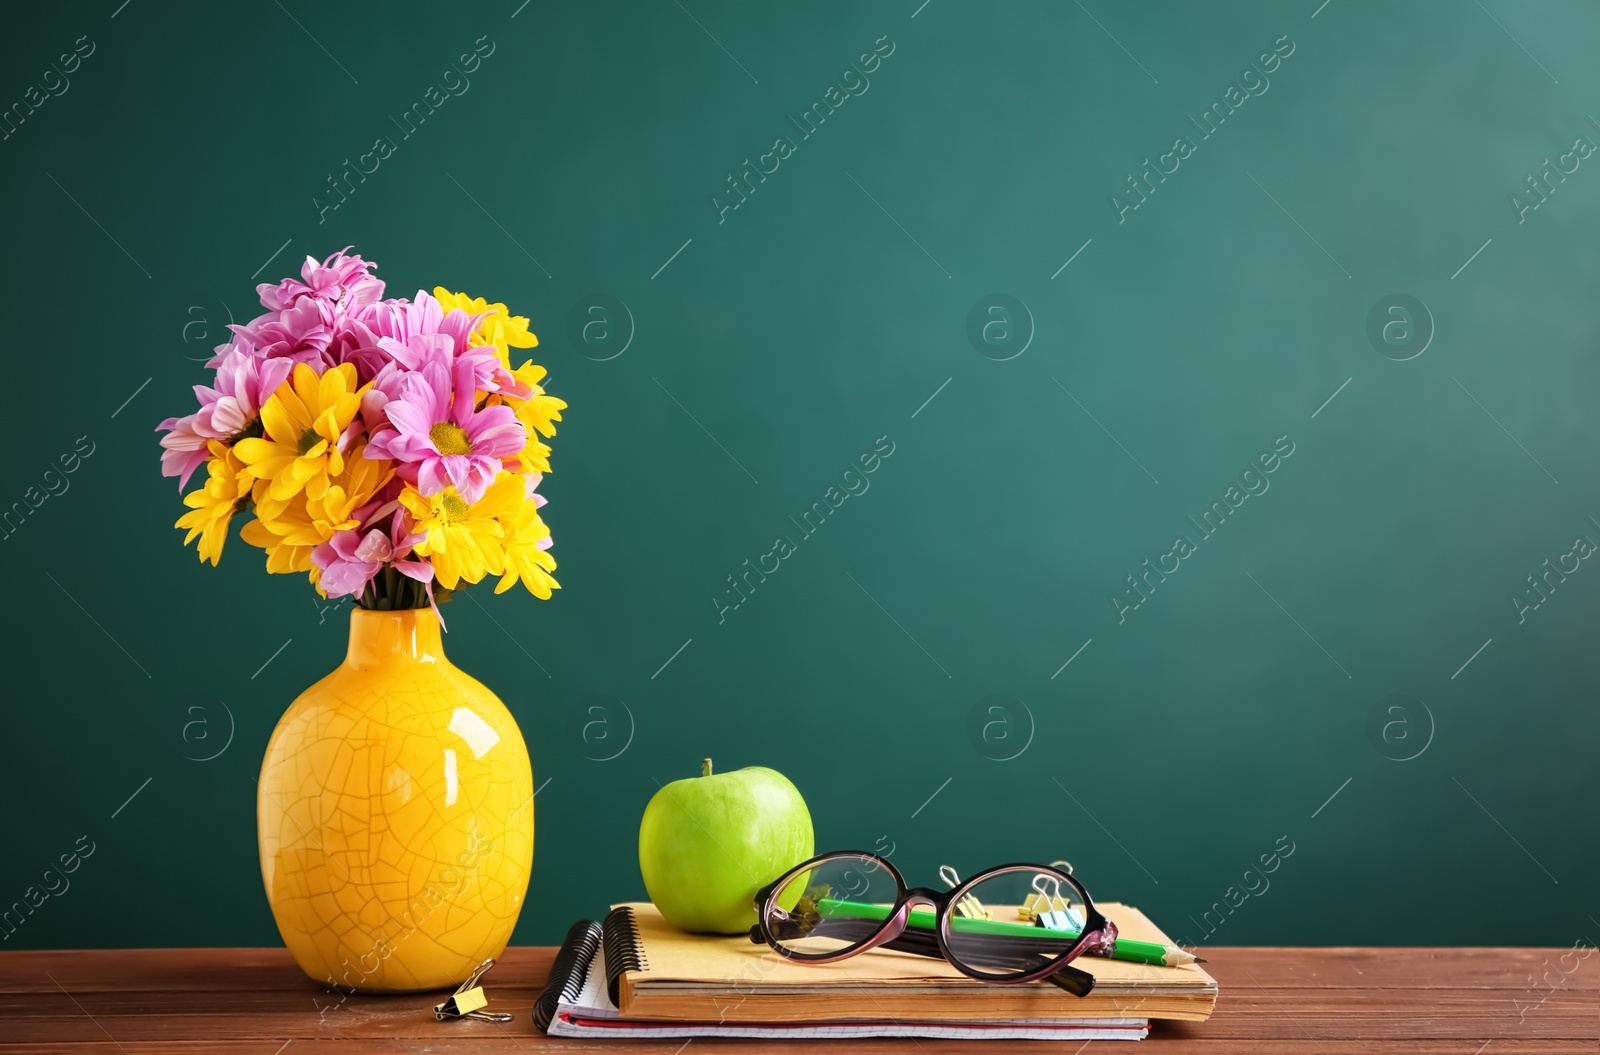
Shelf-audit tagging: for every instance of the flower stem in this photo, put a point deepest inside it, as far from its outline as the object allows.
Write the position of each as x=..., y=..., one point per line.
x=390, y=591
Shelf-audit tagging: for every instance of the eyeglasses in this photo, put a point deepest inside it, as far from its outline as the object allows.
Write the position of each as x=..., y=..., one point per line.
x=844, y=903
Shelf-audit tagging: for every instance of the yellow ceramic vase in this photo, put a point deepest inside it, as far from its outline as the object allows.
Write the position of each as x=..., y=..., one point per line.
x=395, y=815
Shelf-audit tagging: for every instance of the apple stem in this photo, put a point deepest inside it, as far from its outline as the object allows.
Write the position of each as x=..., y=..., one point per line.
x=705, y=767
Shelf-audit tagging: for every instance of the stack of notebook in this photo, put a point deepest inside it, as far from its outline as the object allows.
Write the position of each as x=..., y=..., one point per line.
x=635, y=975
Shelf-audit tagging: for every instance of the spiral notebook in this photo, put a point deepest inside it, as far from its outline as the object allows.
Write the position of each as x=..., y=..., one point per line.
x=636, y=976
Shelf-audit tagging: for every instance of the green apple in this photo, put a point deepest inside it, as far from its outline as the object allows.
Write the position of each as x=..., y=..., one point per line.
x=708, y=843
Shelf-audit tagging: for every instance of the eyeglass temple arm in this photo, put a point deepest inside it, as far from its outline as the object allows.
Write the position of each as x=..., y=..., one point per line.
x=1079, y=982
x=1074, y=980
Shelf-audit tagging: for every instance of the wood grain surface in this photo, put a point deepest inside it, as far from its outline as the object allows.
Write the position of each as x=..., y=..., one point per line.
x=1285, y=1001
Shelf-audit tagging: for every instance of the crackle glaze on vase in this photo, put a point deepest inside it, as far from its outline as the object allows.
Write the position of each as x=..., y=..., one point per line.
x=395, y=815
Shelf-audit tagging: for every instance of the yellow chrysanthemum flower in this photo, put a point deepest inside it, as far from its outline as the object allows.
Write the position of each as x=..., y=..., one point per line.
x=302, y=423
x=464, y=542
x=212, y=506
x=282, y=558
x=498, y=327
x=303, y=521
x=533, y=458
x=540, y=411
x=538, y=414
x=525, y=561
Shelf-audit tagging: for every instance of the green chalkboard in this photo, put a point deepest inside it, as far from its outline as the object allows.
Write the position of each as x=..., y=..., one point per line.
x=1154, y=435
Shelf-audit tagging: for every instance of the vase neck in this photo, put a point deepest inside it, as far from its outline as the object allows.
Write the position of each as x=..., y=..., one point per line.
x=377, y=638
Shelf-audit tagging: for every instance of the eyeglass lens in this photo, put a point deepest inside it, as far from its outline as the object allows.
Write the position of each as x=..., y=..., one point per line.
x=1013, y=946
x=832, y=906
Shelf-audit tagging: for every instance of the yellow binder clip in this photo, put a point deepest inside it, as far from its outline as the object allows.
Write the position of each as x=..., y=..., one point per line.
x=969, y=906
x=1047, y=899
x=469, y=999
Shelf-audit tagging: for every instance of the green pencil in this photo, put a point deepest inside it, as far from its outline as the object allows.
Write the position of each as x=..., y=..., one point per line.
x=1125, y=949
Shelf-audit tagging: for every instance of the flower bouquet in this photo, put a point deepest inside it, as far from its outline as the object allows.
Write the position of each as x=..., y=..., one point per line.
x=382, y=444
x=389, y=449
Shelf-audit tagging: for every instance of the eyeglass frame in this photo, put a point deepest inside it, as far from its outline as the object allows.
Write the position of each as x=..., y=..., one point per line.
x=1098, y=935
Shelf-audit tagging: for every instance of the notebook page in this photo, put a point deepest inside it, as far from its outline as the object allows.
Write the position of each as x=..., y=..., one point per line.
x=1022, y=1029
x=593, y=999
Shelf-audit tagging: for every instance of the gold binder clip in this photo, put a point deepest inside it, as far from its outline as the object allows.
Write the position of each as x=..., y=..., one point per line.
x=469, y=999
x=1046, y=907
x=969, y=906
x=1038, y=902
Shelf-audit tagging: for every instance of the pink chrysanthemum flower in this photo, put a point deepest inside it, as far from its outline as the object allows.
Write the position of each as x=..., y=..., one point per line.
x=300, y=333
x=243, y=383
x=399, y=324
x=439, y=439
x=183, y=449
x=354, y=342
x=318, y=321
x=403, y=319
x=411, y=334
x=351, y=559
x=343, y=280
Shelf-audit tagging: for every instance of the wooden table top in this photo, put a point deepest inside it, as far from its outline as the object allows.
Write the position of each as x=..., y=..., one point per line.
x=1283, y=1001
